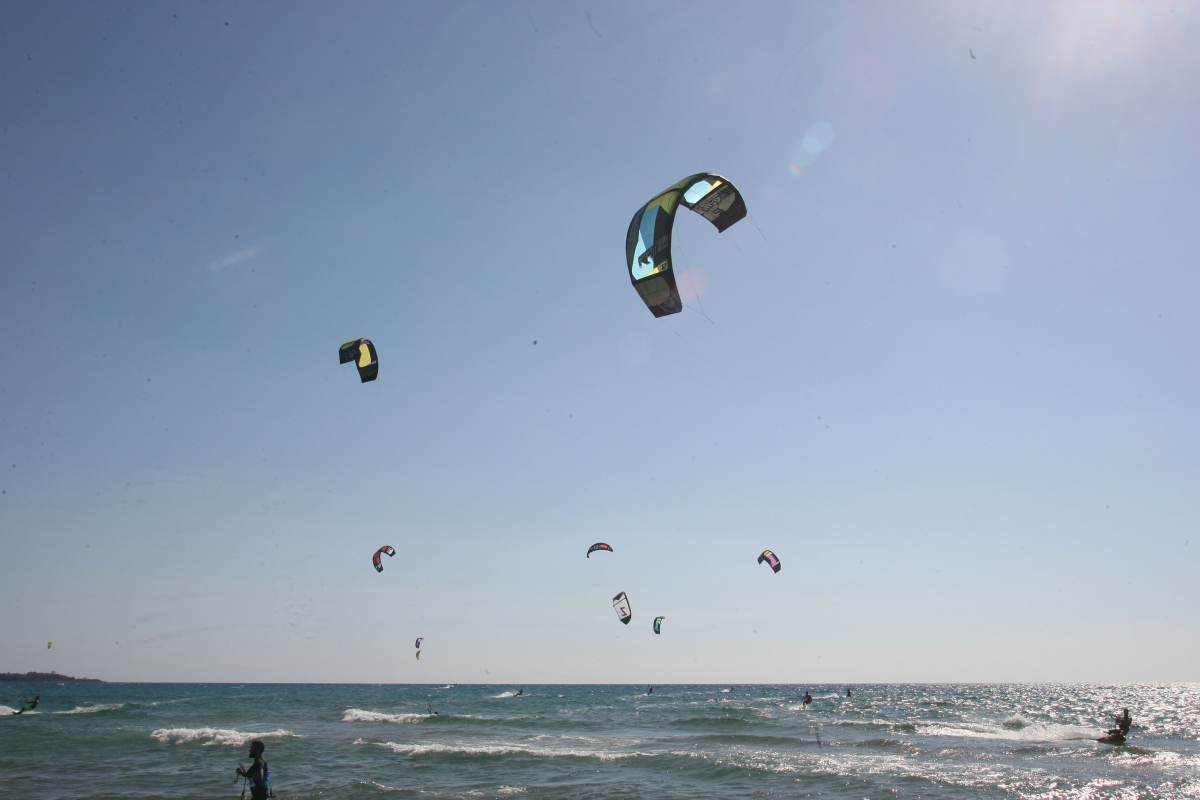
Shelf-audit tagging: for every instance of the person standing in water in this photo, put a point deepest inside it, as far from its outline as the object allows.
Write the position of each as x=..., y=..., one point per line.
x=847, y=691
x=807, y=697
x=258, y=773
x=28, y=705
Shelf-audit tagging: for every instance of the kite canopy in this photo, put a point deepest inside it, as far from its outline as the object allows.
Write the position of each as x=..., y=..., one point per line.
x=48, y=645
x=377, y=559
x=657, y=622
x=621, y=605
x=419, y=640
x=598, y=546
x=363, y=354
x=648, y=243
x=418, y=655
x=771, y=559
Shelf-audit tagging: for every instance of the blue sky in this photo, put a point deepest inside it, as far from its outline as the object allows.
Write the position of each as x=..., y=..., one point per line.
x=946, y=369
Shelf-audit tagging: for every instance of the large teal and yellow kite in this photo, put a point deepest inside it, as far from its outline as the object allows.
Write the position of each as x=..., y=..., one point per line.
x=648, y=244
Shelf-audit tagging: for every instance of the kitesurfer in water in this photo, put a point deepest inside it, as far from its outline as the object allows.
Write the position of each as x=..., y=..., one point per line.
x=28, y=705
x=520, y=692
x=1117, y=735
x=650, y=691
x=847, y=691
x=258, y=773
x=807, y=697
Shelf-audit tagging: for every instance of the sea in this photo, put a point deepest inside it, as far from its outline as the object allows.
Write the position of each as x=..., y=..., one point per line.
x=945, y=741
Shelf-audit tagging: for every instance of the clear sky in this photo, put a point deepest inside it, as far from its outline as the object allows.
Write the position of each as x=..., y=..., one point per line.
x=947, y=369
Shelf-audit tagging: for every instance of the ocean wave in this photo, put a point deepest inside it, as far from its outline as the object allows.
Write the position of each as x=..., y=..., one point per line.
x=5, y=711
x=503, y=695
x=498, y=750
x=1135, y=756
x=216, y=736
x=1030, y=732
x=381, y=787
x=92, y=709
x=714, y=722
x=753, y=739
x=359, y=715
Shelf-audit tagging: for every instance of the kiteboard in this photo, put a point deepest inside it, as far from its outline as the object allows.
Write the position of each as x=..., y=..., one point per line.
x=1113, y=737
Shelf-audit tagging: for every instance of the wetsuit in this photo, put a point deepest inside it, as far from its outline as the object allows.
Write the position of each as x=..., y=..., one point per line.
x=259, y=789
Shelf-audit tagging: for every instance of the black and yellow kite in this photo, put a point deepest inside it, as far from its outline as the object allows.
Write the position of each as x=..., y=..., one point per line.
x=648, y=244
x=363, y=354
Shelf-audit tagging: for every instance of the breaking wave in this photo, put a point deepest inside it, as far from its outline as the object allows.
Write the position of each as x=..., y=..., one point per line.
x=217, y=736
x=359, y=715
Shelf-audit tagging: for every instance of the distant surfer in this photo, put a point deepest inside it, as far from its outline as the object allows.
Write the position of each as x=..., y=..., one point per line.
x=259, y=774
x=28, y=705
x=847, y=691
x=650, y=691
x=807, y=697
x=519, y=693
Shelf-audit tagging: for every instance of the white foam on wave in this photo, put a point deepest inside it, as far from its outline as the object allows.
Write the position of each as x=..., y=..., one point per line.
x=503, y=750
x=92, y=709
x=511, y=790
x=216, y=736
x=1010, y=729
x=5, y=711
x=503, y=695
x=359, y=715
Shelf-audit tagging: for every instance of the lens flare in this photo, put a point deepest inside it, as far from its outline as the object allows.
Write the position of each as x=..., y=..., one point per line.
x=816, y=140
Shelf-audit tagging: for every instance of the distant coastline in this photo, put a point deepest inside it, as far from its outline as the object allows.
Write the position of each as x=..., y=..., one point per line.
x=43, y=677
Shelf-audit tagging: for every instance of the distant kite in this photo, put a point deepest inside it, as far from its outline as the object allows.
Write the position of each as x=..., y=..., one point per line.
x=621, y=605
x=598, y=546
x=419, y=640
x=377, y=559
x=657, y=622
x=418, y=655
x=771, y=559
x=48, y=645
x=648, y=243
x=362, y=352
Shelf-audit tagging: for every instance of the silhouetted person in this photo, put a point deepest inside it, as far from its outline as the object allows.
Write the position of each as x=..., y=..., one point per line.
x=807, y=697
x=29, y=705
